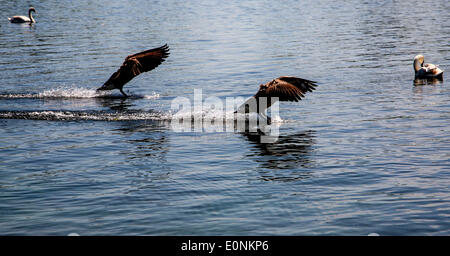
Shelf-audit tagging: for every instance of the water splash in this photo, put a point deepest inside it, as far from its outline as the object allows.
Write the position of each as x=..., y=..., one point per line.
x=63, y=92
x=83, y=115
x=70, y=93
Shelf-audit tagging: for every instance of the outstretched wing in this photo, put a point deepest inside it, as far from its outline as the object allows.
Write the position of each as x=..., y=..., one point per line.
x=286, y=88
x=148, y=60
x=136, y=64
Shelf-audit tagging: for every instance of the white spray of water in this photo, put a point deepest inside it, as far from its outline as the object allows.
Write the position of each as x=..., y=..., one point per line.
x=72, y=92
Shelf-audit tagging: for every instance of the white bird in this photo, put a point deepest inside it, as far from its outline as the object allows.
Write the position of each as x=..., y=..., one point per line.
x=428, y=70
x=24, y=19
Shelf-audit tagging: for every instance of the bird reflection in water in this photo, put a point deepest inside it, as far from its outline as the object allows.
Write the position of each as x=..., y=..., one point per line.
x=115, y=104
x=429, y=81
x=288, y=159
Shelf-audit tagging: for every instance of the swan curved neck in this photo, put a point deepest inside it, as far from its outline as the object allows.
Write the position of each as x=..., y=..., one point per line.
x=31, y=16
x=417, y=65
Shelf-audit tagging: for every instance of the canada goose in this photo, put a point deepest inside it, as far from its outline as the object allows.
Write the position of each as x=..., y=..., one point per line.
x=134, y=65
x=24, y=19
x=425, y=71
x=285, y=88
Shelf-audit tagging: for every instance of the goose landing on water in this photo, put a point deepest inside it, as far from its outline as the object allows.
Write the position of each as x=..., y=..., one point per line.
x=285, y=88
x=134, y=65
x=426, y=71
x=24, y=19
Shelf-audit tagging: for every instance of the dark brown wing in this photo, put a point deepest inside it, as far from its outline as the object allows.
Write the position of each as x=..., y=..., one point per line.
x=136, y=64
x=286, y=88
x=148, y=60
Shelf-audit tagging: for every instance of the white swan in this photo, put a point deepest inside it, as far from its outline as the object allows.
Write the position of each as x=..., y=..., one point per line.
x=24, y=19
x=428, y=70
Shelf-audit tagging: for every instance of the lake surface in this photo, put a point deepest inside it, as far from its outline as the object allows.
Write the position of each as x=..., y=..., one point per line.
x=367, y=152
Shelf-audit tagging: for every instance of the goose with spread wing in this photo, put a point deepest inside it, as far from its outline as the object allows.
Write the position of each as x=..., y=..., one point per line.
x=134, y=65
x=284, y=88
x=425, y=71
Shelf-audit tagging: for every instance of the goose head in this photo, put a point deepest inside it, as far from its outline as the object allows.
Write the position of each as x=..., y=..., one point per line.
x=263, y=88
